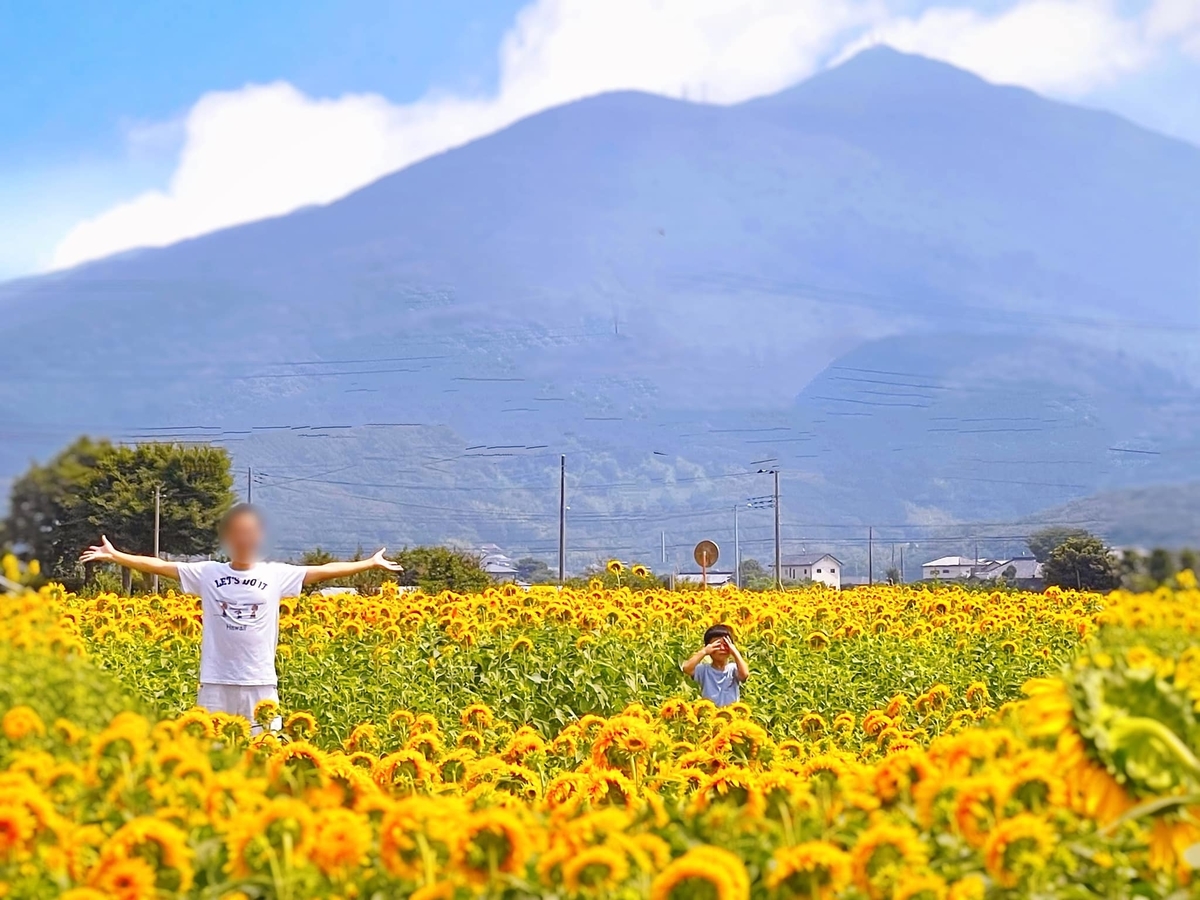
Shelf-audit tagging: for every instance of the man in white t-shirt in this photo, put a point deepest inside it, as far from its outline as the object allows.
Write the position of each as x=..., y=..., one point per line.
x=239, y=602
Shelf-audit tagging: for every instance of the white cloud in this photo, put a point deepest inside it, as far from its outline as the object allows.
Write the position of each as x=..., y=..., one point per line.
x=268, y=149
x=1176, y=20
x=1063, y=47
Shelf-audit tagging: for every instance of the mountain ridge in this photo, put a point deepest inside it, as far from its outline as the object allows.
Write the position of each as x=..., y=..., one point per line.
x=630, y=275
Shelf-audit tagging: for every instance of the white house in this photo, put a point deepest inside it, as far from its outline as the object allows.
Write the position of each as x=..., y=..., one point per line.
x=1016, y=569
x=948, y=568
x=497, y=565
x=715, y=578
x=821, y=567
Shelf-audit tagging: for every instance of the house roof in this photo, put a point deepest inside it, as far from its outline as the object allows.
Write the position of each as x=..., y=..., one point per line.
x=955, y=561
x=809, y=559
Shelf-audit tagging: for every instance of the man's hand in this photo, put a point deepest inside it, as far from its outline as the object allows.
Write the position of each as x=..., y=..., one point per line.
x=710, y=649
x=105, y=552
x=379, y=562
x=102, y=552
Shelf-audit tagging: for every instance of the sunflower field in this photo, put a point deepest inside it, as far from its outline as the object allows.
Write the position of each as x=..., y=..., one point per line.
x=893, y=742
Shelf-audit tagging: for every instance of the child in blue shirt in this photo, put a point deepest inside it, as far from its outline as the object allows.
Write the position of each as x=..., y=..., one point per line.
x=720, y=678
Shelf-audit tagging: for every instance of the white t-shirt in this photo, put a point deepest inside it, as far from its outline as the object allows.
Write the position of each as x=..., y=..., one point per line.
x=241, y=617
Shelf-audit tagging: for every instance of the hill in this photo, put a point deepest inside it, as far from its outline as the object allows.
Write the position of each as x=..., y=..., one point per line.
x=649, y=285
x=1161, y=515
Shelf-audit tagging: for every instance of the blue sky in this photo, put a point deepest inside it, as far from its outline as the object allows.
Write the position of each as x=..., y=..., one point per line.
x=128, y=124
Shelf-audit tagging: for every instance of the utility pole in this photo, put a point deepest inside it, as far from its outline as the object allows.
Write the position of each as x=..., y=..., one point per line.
x=562, y=519
x=778, y=556
x=157, y=517
x=249, y=484
x=870, y=554
x=737, y=550
x=902, y=564
x=664, y=548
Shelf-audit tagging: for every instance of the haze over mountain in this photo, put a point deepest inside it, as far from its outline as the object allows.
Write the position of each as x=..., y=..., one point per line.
x=929, y=299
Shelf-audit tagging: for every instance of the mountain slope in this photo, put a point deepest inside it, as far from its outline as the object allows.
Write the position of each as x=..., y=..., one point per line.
x=630, y=274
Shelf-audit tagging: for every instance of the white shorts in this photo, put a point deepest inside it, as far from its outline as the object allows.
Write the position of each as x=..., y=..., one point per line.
x=239, y=700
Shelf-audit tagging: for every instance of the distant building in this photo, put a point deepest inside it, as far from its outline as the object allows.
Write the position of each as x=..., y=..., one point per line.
x=496, y=564
x=715, y=578
x=334, y=591
x=949, y=568
x=1015, y=570
x=819, y=567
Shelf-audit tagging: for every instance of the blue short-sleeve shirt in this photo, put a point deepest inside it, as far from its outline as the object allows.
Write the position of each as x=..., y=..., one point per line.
x=721, y=686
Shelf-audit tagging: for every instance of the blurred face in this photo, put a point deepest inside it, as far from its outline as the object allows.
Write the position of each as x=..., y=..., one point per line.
x=243, y=538
x=721, y=654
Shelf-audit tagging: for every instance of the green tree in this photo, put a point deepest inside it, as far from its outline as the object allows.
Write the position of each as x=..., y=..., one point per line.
x=1044, y=541
x=755, y=576
x=1160, y=565
x=1189, y=560
x=892, y=575
x=534, y=571
x=1083, y=563
x=93, y=487
x=437, y=569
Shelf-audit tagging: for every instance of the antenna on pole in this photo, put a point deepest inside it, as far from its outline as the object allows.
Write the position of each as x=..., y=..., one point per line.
x=562, y=519
x=870, y=555
x=157, y=519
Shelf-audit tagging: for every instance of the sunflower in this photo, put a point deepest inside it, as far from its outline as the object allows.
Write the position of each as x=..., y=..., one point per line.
x=265, y=712
x=21, y=722
x=600, y=869
x=719, y=871
x=640, y=571
x=125, y=879
x=404, y=768
x=160, y=844
x=1016, y=848
x=282, y=825
x=341, y=843
x=297, y=766
x=812, y=869
x=196, y=722
x=301, y=726
x=919, y=886
x=495, y=841
x=881, y=853
x=17, y=829
x=614, y=567
x=478, y=716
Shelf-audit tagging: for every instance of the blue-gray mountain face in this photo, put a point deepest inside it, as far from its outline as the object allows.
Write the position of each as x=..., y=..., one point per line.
x=927, y=298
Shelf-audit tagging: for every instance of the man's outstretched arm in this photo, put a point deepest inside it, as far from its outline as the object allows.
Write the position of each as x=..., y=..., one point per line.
x=317, y=574
x=106, y=552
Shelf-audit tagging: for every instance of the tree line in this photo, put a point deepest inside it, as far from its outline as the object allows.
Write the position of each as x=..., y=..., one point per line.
x=93, y=487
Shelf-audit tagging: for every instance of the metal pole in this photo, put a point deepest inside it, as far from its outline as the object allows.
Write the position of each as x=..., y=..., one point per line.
x=249, y=484
x=664, y=548
x=870, y=555
x=902, y=564
x=562, y=518
x=737, y=551
x=157, y=517
x=778, y=556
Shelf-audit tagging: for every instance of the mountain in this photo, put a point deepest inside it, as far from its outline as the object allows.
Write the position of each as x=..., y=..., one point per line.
x=662, y=290
x=1159, y=515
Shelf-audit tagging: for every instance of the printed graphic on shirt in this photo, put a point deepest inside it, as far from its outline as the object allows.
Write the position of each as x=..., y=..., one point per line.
x=237, y=614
